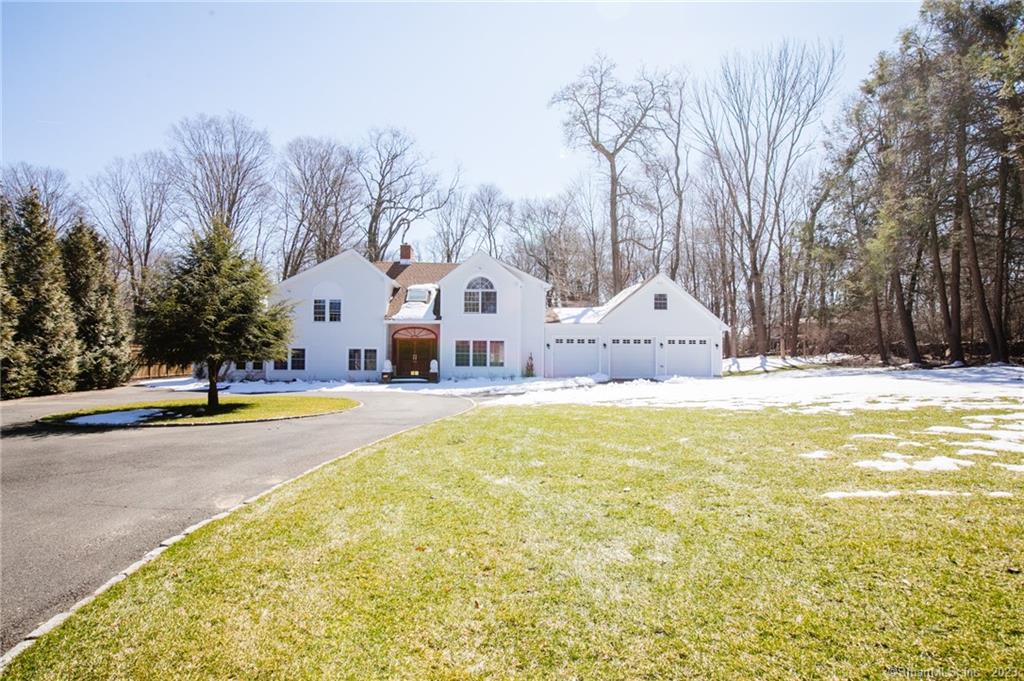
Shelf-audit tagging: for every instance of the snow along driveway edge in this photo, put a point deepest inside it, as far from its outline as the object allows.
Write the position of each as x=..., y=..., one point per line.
x=58, y=619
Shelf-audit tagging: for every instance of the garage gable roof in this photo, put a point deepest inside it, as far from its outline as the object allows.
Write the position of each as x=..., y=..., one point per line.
x=595, y=315
x=613, y=304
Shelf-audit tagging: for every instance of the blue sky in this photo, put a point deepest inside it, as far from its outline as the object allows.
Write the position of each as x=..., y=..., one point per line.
x=83, y=83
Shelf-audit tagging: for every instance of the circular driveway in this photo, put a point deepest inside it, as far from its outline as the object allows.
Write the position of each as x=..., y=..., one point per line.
x=78, y=507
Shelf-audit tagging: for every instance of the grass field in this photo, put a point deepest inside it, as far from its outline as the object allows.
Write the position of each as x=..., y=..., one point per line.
x=582, y=542
x=231, y=410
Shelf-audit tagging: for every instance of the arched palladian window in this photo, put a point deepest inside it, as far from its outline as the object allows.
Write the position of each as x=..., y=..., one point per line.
x=480, y=297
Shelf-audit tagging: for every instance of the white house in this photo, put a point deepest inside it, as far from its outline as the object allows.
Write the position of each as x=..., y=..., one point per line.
x=356, y=320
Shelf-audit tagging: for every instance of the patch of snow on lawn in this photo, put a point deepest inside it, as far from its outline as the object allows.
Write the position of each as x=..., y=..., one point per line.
x=998, y=445
x=115, y=418
x=941, y=493
x=860, y=494
x=975, y=452
x=1000, y=495
x=874, y=436
x=941, y=463
x=883, y=465
x=1016, y=467
x=898, y=462
x=816, y=454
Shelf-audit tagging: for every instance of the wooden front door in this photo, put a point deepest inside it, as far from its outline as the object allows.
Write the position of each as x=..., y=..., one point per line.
x=412, y=351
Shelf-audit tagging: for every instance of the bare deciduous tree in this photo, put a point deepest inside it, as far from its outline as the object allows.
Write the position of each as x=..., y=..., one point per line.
x=221, y=169
x=610, y=117
x=321, y=197
x=399, y=190
x=754, y=124
x=492, y=213
x=130, y=201
x=55, y=191
x=454, y=225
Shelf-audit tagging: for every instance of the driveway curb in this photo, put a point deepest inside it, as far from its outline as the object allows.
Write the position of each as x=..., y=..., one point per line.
x=58, y=619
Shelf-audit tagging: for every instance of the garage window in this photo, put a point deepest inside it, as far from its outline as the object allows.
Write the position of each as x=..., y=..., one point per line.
x=257, y=365
x=281, y=364
x=660, y=301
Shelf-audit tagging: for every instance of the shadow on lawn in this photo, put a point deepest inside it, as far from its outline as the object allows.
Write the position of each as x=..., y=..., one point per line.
x=49, y=425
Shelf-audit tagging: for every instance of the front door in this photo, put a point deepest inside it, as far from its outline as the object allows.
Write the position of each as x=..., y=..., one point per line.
x=414, y=355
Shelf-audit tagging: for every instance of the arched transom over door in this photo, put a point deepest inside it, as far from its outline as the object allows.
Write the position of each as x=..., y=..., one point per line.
x=412, y=349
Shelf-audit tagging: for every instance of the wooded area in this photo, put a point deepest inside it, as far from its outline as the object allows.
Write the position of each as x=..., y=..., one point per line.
x=895, y=228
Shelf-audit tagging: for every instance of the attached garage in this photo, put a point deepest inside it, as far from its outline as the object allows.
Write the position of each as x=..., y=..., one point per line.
x=688, y=356
x=632, y=357
x=574, y=356
x=650, y=330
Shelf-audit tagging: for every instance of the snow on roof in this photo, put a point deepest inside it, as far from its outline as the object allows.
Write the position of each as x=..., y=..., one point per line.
x=417, y=310
x=592, y=315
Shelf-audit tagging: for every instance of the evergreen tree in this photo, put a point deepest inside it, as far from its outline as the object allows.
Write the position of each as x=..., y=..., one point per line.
x=45, y=325
x=16, y=375
x=211, y=305
x=105, y=359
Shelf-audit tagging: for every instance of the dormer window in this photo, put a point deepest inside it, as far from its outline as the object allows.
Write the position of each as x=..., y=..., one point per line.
x=480, y=297
x=417, y=295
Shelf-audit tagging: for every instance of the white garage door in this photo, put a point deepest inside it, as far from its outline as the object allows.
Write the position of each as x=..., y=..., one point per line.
x=632, y=357
x=574, y=356
x=687, y=357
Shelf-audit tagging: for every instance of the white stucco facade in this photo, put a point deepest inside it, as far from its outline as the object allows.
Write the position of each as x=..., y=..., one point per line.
x=482, y=318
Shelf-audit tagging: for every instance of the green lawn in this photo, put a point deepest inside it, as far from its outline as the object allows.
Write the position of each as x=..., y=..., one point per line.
x=230, y=410
x=584, y=542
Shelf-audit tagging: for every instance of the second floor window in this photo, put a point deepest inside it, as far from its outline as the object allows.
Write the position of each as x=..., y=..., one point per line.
x=326, y=310
x=480, y=297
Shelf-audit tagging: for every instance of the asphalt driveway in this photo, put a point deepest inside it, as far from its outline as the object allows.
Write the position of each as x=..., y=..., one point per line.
x=77, y=507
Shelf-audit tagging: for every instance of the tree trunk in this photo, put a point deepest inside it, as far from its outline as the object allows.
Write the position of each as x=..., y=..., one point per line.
x=940, y=281
x=970, y=244
x=213, y=373
x=999, y=293
x=956, y=344
x=906, y=321
x=757, y=310
x=613, y=223
x=876, y=308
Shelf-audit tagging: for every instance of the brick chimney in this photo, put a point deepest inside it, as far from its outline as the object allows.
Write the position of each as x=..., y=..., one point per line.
x=405, y=254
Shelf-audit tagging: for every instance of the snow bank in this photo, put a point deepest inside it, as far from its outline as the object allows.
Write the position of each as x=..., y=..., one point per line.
x=811, y=391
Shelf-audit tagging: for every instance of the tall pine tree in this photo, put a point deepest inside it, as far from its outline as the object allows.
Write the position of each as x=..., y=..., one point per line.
x=105, y=356
x=45, y=326
x=211, y=306
x=16, y=375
